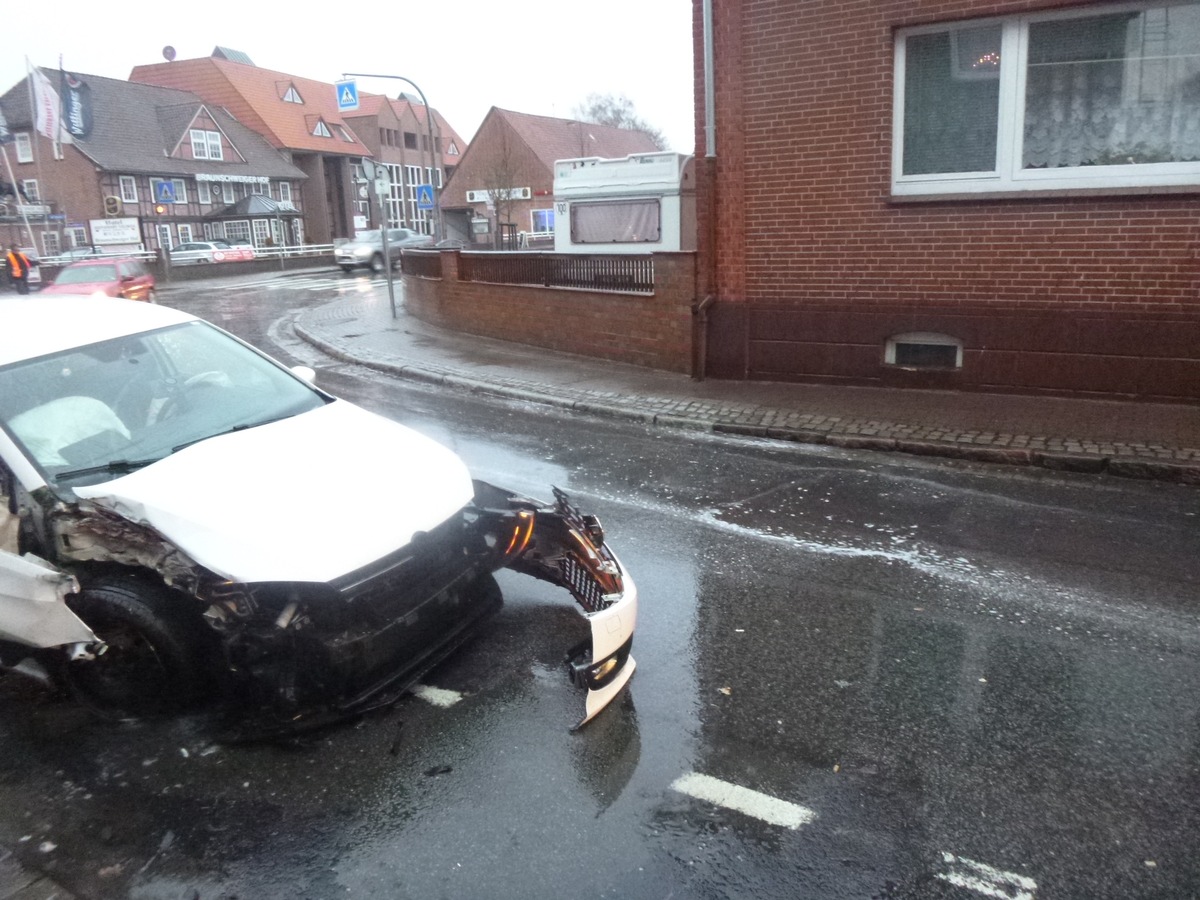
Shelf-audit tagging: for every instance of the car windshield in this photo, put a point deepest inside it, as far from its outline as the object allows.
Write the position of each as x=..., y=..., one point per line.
x=92, y=413
x=86, y=274
x=368, y=237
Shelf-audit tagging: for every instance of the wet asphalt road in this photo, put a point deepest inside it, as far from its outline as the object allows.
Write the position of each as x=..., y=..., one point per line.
x=974, y=682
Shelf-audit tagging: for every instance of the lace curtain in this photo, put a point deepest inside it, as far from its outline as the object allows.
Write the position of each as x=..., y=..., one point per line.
x=1114, y=90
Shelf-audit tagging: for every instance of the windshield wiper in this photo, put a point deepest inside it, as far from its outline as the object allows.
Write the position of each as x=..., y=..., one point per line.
x=114, y=467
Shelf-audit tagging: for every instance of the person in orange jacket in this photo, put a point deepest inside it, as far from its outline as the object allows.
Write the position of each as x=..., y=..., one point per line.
x=17, y=264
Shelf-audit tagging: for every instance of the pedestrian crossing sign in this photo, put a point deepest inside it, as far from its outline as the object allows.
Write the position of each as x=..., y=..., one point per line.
x=424, y=196
x=164, y=192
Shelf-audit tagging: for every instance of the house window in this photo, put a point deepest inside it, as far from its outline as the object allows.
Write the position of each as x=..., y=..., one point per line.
x=1096, y=98
x=164, y=237
x=452, y=150
x=285, y=192
x=923, y=351
x=541, y=220
x=616, y=222
x=345, y=135
x=237, y=231
x=30, y=187
x=129, y=189
x=50, y=243
x=204, y=191
x=185, y=234
x=321, y=130
x=206, y=144
x=24, y=147
x=262, y=233
x=78, y=235
x=292, y=95
x=410, y=140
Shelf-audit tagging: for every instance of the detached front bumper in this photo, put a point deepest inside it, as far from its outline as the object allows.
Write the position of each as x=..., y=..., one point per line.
x=567, y=548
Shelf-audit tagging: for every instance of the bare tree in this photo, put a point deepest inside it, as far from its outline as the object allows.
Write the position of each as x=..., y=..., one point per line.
x=607, y=109
x=500, y=182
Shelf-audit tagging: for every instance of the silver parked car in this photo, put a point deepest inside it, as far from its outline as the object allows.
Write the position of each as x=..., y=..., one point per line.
x=182, y=518
x=366, y=250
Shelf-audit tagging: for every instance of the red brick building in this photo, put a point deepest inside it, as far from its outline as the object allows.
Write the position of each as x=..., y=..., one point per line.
x=953, y=193
x=301, y=119
x=510, y=163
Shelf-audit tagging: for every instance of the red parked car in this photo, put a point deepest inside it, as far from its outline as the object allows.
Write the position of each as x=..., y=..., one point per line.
x=128, y=278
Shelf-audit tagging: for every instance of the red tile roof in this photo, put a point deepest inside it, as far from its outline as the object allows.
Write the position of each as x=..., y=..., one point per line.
x=254, y=96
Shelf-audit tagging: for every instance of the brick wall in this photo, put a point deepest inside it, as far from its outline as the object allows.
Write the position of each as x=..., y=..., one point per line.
x=815, y=265
x=647, y=330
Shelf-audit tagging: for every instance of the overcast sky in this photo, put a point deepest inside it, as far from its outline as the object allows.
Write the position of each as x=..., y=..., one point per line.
x=537, y=56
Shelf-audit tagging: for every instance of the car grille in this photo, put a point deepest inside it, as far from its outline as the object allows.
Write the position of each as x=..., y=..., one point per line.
x=582, y=584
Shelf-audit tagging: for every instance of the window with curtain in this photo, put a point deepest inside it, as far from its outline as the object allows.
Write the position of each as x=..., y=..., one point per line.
x=616, y=222
x=1106, y=97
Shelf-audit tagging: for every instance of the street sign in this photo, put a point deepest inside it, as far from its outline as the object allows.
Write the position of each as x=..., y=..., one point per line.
x=383, y=180
x=347, y=95
x=164, y=191
x=424, y=196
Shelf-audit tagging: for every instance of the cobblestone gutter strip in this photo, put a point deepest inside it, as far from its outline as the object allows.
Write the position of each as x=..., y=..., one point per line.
x=1126, y=460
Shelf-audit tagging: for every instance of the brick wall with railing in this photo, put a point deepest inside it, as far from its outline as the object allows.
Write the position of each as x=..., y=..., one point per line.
x=652, y=329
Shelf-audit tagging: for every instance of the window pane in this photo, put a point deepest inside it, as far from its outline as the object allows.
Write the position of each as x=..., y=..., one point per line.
x=1120, y=89
x=622, y=222
x=951, y=101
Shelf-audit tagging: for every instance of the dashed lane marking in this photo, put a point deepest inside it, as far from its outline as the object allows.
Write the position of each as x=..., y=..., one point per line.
x=731, y=796
x=986, y=880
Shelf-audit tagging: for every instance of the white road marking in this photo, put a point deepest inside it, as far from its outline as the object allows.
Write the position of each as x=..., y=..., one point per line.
x=761, y=806
x=437, y=696
x=983, y=879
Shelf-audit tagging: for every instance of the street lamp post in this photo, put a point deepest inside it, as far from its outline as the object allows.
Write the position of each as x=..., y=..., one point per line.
x=437, y=212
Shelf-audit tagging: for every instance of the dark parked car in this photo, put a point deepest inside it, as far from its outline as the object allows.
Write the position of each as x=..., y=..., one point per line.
x=183, y=518
x=366, y=250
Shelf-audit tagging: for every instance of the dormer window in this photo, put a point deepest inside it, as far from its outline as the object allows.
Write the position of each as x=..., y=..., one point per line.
x=345, y=135
x=206, y=144
x=292, y=95
x=321, y=129
x=452, y=150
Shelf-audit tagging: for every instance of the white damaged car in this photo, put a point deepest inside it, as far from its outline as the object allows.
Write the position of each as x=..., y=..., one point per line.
x=166, y=535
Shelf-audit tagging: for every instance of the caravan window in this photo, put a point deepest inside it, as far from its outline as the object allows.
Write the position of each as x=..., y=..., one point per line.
x=616, y=222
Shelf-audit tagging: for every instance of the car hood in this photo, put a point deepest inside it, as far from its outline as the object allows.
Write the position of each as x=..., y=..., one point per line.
x=308, y=498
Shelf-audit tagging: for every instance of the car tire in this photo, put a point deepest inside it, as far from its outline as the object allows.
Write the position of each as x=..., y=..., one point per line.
x=347, y=269
x=153, y=661
x=377, y=263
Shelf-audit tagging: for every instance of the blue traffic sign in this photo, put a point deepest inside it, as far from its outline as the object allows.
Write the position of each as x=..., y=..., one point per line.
x=347, y=95
x=424, y=196
x=164, y=192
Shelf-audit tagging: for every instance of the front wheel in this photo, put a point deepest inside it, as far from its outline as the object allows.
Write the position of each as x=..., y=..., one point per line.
x=377, y=263
x=153, y=661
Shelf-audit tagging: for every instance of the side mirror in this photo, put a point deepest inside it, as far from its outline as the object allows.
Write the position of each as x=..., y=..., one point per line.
x=307, y=373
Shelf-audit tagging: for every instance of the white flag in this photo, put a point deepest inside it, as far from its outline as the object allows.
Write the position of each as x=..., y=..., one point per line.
x=47, y=117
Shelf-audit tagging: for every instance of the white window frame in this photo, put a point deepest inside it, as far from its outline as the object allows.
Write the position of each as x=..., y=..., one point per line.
x=78, y=235
x=129, y=192
x=164, y=237
x=204, y=192
x=1008, y=175
x=24, y=147
x=185, y=234
x=31, y=189
x=285, y=192
x=51, y=243
x=206, y=144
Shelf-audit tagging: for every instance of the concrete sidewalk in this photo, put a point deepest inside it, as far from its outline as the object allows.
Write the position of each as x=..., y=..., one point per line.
x=1125, y=438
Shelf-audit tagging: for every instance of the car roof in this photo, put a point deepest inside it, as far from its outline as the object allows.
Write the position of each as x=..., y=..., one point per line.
x=32, y=326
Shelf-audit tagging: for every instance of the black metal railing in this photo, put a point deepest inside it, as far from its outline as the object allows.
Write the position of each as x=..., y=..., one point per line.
x=425, y=263
x=595, y=272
